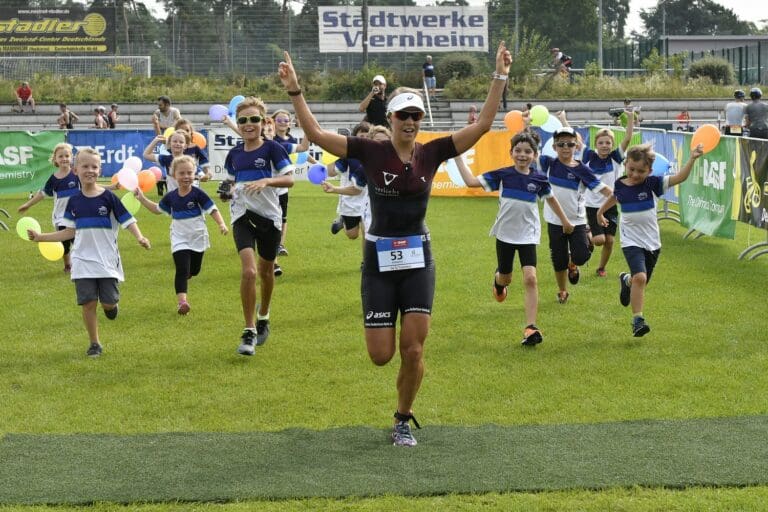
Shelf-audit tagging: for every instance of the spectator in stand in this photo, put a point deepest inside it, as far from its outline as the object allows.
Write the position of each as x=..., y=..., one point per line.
x=734, y=114
x=24, y=97
x=100, y=118
x=165, y=115
x=67, y=118
x=428, y=77
x=113, y=117
x=472, y=118
x=757, y=115
x=683, y=120
x=375, y=104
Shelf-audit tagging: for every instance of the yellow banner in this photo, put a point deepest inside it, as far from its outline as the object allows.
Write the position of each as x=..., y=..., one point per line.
x=491, y=152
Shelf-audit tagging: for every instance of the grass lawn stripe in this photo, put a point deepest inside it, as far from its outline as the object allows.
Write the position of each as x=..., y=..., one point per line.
x=358, y=461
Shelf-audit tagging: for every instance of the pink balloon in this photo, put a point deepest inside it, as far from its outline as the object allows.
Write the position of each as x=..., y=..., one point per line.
x=127, y=179
x=133, y=163
x=157, y=172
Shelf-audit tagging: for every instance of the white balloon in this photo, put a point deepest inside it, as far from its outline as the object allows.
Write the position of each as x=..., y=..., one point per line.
x=128, y=179
x=133, y=163
x=454, y=174
x=552, y=124
x=549, y=148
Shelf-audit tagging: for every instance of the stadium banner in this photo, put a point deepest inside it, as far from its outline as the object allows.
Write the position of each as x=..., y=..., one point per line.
x=25, y=163
x=706, y=197
x=54, y=30
x=403, y=29
x=114, y=146
x=751, y=193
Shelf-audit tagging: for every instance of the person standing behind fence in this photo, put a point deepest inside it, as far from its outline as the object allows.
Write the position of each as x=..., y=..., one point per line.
x=165, y=115
x=428, y=76
x=734, y=114
x=67, y=118
x=637, y=193
x=375, y=104
x=100, y=118
x=757, y=115
x=24, y=97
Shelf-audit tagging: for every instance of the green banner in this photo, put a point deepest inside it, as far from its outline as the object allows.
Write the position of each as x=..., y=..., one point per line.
x=706, y=197
x=25, y=160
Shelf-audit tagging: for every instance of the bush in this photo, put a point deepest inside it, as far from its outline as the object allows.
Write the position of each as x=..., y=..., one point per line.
x=719, y=71
x=458, y=66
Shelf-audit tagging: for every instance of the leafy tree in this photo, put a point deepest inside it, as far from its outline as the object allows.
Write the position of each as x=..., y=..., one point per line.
x=693, y=17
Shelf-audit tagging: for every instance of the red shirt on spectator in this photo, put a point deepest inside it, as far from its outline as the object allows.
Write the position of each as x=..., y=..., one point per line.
x=24, y=92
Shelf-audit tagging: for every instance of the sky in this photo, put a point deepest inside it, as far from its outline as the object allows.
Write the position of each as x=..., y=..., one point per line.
x=747, y=10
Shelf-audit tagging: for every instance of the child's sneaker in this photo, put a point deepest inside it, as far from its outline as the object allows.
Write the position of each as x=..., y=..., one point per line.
x=111, y=313
x=262, y=332
x=600, y=272
x=278, y=270
x=499, y=296
x=625, y=288
x=336, y=225
x=532, y=336
x=639, y=327
x=247, y=340
x=562, y=297
x=184, y=307
x=94, y=350
x=573, y=273
x=282, y=251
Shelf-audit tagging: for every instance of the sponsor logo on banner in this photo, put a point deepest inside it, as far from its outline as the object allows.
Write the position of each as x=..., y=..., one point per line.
x=399, y=29
x=57, y=30
x=24, y=160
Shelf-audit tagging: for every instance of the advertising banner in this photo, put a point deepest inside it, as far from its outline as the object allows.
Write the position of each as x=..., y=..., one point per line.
x=115, y=146
x=706, y=197
x=751, y=193
x=403, y=29
x=25, y=160
x=57, y=30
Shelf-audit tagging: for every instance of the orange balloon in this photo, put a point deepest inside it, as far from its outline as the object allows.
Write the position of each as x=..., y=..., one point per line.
x=514, y=121
x=708, y=135
x=113, y=181
x=147, y=180
x=198, y=140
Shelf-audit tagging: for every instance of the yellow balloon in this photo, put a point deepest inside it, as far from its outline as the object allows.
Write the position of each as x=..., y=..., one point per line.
x=168, y=132
x=328, y=158
x=51, y=250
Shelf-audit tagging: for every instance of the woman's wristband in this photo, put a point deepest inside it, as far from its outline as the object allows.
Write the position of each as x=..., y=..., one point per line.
x=497, y=76
x=297, y=92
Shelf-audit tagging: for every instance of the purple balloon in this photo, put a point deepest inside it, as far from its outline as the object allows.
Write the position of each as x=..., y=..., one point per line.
x=217, y=112
x=317, y=174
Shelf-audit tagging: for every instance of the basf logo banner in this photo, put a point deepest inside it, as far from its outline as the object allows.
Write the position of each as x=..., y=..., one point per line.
x=396, y=29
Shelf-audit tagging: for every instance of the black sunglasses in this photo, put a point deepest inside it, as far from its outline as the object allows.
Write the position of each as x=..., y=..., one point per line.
x=249, y=119
x=404, y=115
x=566, y=144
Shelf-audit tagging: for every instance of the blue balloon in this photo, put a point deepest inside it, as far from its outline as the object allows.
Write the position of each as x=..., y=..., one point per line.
x=234, y=102
x=317, y=174
x=660, y=165
x=301, y=158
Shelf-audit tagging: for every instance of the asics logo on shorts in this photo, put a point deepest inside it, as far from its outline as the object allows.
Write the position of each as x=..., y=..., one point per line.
x=377, y=314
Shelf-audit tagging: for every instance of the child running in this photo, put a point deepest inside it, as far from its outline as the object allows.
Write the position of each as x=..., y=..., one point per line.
x=62, y=185
x=517, y=227
x=605, y=162
x=202, y=165
x=187, y=206
x=177, y=143
x=637, y=193
x=568, y=178
x=92, y=218
x=353, y=199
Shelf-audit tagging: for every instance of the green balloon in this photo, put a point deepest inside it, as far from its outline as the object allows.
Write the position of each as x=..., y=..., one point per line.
x=131, y=203
x=25, y=223
x=539, y=115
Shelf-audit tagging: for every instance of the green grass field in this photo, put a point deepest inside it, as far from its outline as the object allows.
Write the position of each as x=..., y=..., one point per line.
x=161, y=373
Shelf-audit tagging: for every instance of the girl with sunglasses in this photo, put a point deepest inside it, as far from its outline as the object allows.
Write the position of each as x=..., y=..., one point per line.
x=569, y=179
x=258, y=168
x=398, y=270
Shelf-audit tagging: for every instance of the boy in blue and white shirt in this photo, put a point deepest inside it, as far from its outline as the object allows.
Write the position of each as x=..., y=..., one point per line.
x=637, y=194
x=93, y=217
x=569, y=179
x=517, y=227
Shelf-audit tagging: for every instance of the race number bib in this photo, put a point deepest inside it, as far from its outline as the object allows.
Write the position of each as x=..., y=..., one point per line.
x=735, y=129
x=400, y=253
